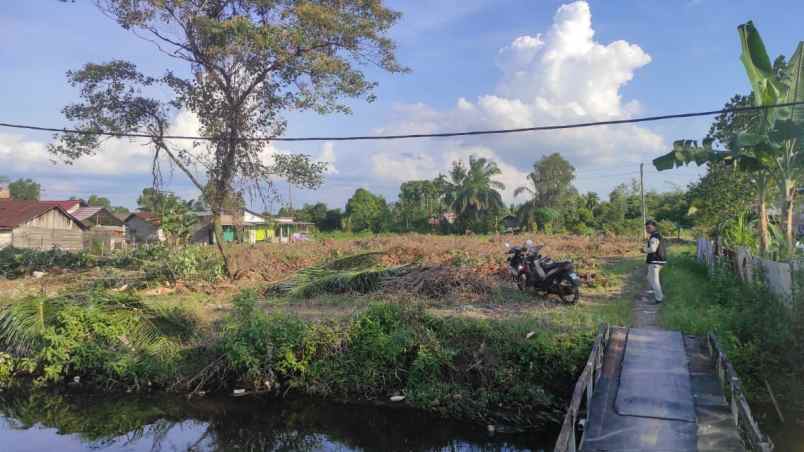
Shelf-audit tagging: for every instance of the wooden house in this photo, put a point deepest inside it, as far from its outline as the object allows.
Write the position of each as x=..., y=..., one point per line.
x=38, y=225
x=143, y=227
x=104, y=229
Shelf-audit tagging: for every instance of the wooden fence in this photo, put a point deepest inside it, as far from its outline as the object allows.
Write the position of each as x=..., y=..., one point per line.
x=732, y=388
x=567, y=439
x=778, y=276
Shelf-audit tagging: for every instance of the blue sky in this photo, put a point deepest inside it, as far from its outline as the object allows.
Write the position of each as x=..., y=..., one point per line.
x=476, y=64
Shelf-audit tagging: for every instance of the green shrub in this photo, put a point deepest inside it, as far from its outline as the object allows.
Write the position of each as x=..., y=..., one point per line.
x=755, y=327
x=15, y=262
x=109, y=338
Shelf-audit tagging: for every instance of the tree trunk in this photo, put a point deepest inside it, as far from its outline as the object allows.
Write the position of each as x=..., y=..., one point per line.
x=764, y=235
x=217, y=230
x=789, y=208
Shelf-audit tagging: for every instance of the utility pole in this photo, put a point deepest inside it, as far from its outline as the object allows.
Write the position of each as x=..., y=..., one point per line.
x=290, y=198
x=642, y=195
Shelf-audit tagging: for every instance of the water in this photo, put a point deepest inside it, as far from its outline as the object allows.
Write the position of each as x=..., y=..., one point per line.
x=787, y=437
x=71, y=422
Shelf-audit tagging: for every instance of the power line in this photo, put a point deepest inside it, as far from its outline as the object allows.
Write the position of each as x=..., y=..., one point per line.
x=417, y=135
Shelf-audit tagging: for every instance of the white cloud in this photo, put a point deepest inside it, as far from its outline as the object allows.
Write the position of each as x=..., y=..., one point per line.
x=328, y=156
x=560, y=76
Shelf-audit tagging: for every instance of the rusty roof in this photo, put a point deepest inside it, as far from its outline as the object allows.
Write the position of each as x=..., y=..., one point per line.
x=67, y=205
x=14, y=212
x=146, y=216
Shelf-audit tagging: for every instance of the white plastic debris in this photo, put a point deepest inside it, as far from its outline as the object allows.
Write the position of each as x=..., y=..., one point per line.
x=239, y=391
x=530, y=335
x=397, y=398
x=38, y=275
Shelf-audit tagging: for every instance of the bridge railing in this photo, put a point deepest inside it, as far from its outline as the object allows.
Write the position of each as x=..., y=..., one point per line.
x=585, y=386
x=732, y=388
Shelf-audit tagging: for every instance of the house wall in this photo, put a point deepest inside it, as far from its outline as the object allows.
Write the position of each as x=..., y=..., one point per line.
x=140, y=231
x=249, y=217
x=47, y=238
x=53, y=219
x=5, y=239
x=106, y=237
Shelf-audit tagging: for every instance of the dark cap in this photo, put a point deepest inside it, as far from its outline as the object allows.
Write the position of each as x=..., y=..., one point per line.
x=650, y=223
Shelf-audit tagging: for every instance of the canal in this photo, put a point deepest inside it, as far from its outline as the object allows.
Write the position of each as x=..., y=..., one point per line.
x=70, y=422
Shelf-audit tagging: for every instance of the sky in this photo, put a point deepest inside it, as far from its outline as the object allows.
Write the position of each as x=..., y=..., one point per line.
x=475, y=64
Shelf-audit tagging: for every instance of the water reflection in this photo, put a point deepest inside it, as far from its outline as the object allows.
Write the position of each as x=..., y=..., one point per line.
x=69, y=422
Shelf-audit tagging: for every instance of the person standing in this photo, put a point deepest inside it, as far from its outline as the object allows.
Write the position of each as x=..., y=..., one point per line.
x=656, y=258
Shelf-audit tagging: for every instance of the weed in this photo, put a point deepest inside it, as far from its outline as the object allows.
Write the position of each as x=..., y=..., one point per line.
x=754, y=326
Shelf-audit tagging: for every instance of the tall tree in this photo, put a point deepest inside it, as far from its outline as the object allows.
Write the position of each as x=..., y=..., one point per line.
x=248, y=62
x=549, y=182
x=472, y=193
x=366, y=211
x=419, y=200
x=99, y=201
x=722, y=194
x=549, y=185
x=26, y=189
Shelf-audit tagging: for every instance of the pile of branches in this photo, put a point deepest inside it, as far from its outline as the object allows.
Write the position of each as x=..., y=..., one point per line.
x=439, y=282
x=359, y=273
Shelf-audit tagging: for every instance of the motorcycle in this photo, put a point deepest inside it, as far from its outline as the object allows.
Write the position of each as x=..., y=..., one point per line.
x=528, y=268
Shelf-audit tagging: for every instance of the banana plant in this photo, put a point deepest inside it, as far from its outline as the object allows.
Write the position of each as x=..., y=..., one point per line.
x=779, y=138
x=770, y=150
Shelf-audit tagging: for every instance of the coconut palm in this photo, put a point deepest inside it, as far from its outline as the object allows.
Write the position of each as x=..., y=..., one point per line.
x=471, y=191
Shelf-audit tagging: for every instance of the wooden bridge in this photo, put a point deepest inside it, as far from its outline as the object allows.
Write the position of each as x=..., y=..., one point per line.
x=651, y=390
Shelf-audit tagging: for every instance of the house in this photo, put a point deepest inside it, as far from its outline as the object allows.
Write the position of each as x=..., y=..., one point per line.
x=104, y=229
x=289, y=230
x=38, y=225
x=4, y=192
x=204, y=231
x=143, y=227
x=257, y=228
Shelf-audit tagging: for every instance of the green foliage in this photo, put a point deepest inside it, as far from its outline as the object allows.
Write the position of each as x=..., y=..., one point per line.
x=99, y=201
x=177, y=222
x=366, y=211
x=550, y=182
x=16, y=262
x=474, y=369
x=184, y=263
x=754, y=326
x=109, y=338
x=473, y=195
x=258, y=346
x=740, y=232
x=419, y=202
x=25, y=189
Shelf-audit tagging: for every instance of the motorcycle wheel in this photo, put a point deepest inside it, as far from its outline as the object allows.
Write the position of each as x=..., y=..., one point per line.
x=567, y=290
x=522, y=282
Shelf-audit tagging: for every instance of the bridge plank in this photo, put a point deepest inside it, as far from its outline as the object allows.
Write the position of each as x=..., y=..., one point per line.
x=655, y=379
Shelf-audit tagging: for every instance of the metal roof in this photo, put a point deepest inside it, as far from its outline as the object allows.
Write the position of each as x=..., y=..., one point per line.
x=85, y=212
x=14, y=212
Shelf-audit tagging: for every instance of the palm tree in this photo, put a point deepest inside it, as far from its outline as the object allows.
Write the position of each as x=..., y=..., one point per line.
x=471, y=192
